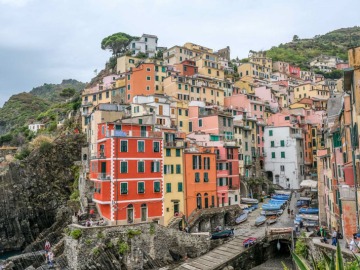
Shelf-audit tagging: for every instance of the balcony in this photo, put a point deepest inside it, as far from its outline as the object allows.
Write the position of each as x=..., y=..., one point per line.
x=233, y=187
x=86, y=104
x=175, y=144
x=103, y=176
x=100, y=155
x=297, y=136
x=133, y=133
x=230, y=144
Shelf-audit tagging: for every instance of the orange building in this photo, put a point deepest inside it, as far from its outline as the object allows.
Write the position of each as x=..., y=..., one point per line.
x=200, y=179
x=127, y=173
x=187, y=68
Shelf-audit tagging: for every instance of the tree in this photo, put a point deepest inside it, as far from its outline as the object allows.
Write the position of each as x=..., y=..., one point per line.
x=118, y=43
x=67, y=92
x=295, y=38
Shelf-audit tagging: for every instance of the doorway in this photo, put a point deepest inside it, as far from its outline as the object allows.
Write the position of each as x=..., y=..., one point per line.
x=130, y=214
x=143, y=212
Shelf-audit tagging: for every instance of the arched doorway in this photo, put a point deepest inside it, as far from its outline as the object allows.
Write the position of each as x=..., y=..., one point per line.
x=223, y=199
x=198, y=201
x=227, y=219
x=202, y=226
x=143, y=212
x=130, y=214
x=206, y=200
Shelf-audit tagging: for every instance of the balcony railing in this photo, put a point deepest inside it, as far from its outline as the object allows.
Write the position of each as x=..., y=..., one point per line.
x=86, y=103
x=179, y=144
x=103, y=176
x=100, y=155
x=297, y=136
x=134, y=133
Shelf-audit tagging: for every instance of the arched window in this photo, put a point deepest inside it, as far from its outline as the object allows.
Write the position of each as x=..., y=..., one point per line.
x=130, y=214
x=206, y=199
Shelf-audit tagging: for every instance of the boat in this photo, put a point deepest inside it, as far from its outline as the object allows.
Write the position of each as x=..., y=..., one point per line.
x=243, y=217
x=280, y=197
x=309, y=211
x=249, y=242
x=309, y=217
x=272, y=213
x=282, y=192
x=249, y=200
x=260, y=220
x=222, y=234
x=271, y=207
x=271, y=220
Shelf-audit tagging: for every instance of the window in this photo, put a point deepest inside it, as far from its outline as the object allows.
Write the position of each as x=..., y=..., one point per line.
x=180, y=187
x=156, y=146
x=282, y=154
x=209, y=71
x=254, y=107
x=168, y=152
x=141, y=187
x=148, y=78
x=287, y=117
x=123, y=167
x=141, y=146
x=124, y=188
x=270, y=132
x=141, y=166
x=180, y=123
x=155, y=166
x=156, y=186
x=196, y=162
x=272, y=144
x=178, y=168
x=200, y=122
x=282, y=143
x=282, y=168
x=178, y=153
x=123, y=146
x=186, y=87
x=206, y=177
x=168, y=187
x=197, y=177
x=179, y=86
x=190, y=126
x=206, y=163
x=272, y=154
x=180, y=112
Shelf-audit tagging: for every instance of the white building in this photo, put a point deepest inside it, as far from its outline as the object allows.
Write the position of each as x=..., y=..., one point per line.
x=146, y=44
x=36, y=126
x=158, y=105
x=324, y=63
x=284, y=156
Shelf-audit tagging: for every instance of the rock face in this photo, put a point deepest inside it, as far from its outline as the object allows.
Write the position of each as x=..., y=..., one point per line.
x=33, y=195
x=142, y=246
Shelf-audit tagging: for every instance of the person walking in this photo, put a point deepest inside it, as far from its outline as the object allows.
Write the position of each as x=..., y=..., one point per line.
x=334, y=237
x=323, y=234
x=51, y=258
x=47, y=246
x=288, y=212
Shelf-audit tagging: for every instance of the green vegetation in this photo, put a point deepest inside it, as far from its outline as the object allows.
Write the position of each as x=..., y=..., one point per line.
x=24, y=153
x=88, y=242
x=152, y=228
x=301, y=247
x=336, y=262
x=75, y=195
x=123, y=247
x=100, y=235
x=301, y=51
x=132, y=233
x=95, y=251
x=118, y=43
x=76, y=234
x=45, y=147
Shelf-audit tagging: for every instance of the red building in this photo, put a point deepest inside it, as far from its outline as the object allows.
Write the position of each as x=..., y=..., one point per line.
x=187, y=68
x=295, y=71
x=127, y=173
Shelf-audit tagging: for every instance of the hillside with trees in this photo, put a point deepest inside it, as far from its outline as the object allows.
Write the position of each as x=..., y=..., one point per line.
x=301, y=51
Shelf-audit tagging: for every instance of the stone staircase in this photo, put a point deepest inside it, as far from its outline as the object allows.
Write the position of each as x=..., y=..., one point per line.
x=174, y=222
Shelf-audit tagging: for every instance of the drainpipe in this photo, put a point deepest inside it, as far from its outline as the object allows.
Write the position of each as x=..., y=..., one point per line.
x=354, y=163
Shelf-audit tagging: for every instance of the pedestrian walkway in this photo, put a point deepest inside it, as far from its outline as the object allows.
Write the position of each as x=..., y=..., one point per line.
x=230, y=250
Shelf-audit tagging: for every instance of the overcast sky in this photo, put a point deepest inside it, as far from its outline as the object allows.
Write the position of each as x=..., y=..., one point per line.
x=45, y=41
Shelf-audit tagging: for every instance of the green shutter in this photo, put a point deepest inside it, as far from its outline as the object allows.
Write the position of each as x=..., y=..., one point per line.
x=206, y=177
x=270, y=132
x=282, y=154
x=282, y=143
x=272, y=144
x=172, y=169
x=141, y=187
x=156, y=186
x=168, y=152
x=168, y=187
x=178, y=168
x=180, y=187
x=178, y=152
x=123, y=187
x=272, y=154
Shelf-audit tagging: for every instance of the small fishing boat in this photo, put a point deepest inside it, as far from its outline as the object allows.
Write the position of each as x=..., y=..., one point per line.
x=260, y=220
x=308, y=217
x=243, y=217
x=249, y=242
x=249, y=200
x=272, y=213
x=271, y=220
x=271, y=207
x=222, y=234
x=282, y=192
x=309, y=211
x=280, y=197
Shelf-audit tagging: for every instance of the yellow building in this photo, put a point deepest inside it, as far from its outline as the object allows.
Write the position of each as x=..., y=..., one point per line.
x=254, y=70
x=311, y=90
x=196, y=88
x=260, y=59
x=180, y=116
x=173, y=179
x=246, y=83
x=208, y=65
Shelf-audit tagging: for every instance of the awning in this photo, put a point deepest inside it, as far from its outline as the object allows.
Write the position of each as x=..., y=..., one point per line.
x=308, y=184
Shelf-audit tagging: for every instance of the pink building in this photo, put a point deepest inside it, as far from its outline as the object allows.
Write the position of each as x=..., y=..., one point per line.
x=294, y=71
x=342, y=66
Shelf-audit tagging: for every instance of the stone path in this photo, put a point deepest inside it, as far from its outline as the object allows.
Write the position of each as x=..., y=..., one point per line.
x=230, y=250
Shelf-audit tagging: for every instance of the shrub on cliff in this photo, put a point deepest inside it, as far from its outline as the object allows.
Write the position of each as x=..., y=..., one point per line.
x=24, y=153
x=40, y=141
x=76, y=234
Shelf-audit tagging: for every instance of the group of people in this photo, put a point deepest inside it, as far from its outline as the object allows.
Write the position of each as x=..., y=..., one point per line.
x=90, y=222
x=49, y=255
x=335, y=235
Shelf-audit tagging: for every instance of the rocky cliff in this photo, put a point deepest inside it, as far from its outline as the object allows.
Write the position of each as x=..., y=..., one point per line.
x=34, y=195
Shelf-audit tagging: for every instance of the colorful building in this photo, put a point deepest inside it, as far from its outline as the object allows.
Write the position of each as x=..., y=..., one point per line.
x=127, y=173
